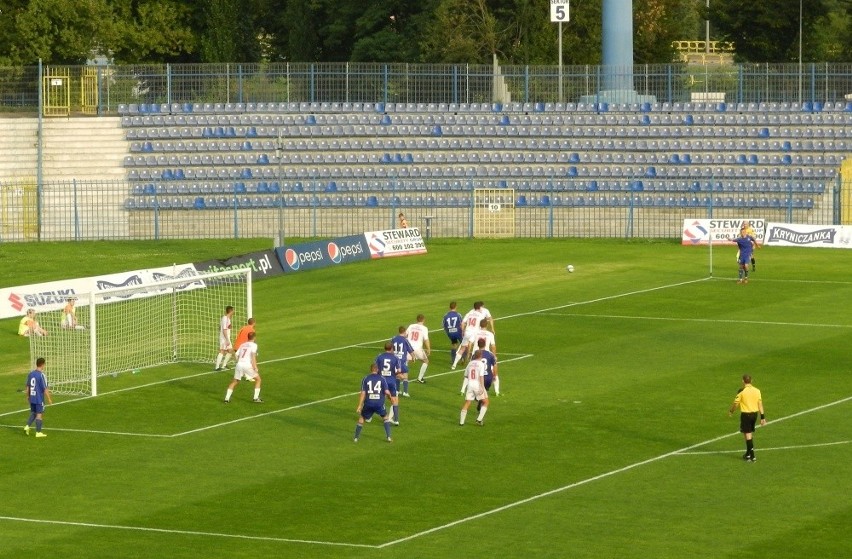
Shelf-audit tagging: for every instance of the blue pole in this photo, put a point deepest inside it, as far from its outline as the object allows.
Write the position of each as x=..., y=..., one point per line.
x=617, y=35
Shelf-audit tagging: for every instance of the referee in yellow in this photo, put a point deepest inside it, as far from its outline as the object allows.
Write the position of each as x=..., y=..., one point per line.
x=750, y=403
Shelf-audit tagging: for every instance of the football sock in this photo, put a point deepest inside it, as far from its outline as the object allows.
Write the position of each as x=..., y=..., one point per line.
x=395, y=411
x=462, y=416
x=31, y=419
x=358, y=430
x=228, y=393
x=482, y=413
x=457, y=358
x=226, y=359
x=38, y=423
x=256, y=393
x=750, y=447
x=497, y=385
x=453, y=356
x=218, y=360
x=405, y=386
x=387, y=428
x=478, y=405
x=422, y=371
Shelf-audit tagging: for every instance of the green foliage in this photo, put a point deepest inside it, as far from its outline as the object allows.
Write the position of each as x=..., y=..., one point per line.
x=445, y=31
x=608, y=375
x=229, y=32
x=63, y=31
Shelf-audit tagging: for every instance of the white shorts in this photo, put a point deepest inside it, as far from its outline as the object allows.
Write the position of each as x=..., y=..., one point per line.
x=475, y=391
x=224, y=343
x=470, y=338
x=421, y=355
x=242, y=370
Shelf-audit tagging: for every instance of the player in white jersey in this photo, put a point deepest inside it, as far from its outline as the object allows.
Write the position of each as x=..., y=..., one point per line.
x=418, y=337
x=485, y=334
x=474, y=373
x=246, y=367
x=470, y=328
x=486, y=314
x=225, y=347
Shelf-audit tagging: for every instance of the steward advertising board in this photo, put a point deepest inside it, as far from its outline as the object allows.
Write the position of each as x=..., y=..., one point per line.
x=718, y=231
x=263, y=264
x=320, y=254
x=395, y=242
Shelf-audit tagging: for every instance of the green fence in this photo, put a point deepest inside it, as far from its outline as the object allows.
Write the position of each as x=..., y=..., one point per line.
x=114, y=86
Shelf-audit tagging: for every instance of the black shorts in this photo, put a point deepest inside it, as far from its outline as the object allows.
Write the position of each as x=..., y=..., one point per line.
x=748, y=421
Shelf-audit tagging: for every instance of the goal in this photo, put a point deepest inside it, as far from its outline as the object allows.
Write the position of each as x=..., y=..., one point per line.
x=132, y=327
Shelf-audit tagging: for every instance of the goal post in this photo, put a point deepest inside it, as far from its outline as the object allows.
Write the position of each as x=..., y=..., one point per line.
x=121, y=329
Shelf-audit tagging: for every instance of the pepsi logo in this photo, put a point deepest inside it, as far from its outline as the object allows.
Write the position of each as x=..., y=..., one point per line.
x=334, y=253
x=292, y=259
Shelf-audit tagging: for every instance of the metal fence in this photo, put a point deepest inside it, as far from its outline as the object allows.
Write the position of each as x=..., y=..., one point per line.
x=87, y=210
x=105, y=88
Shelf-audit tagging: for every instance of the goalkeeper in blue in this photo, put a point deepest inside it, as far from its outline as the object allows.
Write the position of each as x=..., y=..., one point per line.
x=371, y=400
x=747, y=244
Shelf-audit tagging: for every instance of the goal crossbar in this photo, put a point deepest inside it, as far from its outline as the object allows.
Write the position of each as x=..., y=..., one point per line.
x=141, y=325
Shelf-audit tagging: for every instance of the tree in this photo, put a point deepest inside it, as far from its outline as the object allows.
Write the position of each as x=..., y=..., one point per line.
x=768, y=31
x=461, y=31
x=154, y=30
x=657, y=23
x=63, y=31
x=229, y=32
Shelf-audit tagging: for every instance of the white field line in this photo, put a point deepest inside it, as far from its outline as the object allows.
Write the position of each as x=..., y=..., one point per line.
x=181, y=532
x=765, y=448
x=683, y=451
x=594, y=478
x=711, y=320
x=240, y=419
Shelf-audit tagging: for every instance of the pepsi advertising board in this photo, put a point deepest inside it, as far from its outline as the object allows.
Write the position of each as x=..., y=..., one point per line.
x=321, y=254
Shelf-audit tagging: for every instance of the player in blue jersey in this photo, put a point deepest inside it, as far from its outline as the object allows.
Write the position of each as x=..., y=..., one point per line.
x=452, y=327
x=389, y=368
x=746, y=244
x=404, y=352
x=37, y=391
x=489, y=377
x=371, y=400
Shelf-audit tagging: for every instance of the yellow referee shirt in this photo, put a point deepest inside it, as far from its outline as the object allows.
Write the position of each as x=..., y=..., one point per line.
x=748, y=399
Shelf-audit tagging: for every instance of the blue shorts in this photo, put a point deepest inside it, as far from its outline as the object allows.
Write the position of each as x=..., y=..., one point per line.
x=455, y=338
x=487, y=380
x=368, y=411
x=392, y=386
x=37, y=408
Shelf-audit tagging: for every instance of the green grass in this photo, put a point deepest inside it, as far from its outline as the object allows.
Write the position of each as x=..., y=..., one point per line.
x=611, y=440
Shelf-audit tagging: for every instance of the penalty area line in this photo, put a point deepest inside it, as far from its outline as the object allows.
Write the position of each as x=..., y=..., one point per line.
x=765, y=449
x=598, y=477
x=182, y=532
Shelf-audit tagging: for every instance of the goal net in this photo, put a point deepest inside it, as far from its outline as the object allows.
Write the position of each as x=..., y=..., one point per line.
x=134, y=327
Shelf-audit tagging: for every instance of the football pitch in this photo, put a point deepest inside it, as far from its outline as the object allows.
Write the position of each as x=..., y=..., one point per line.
x=611, y=438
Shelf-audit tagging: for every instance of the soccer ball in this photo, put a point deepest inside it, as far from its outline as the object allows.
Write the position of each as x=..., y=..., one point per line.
x=570, y=268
